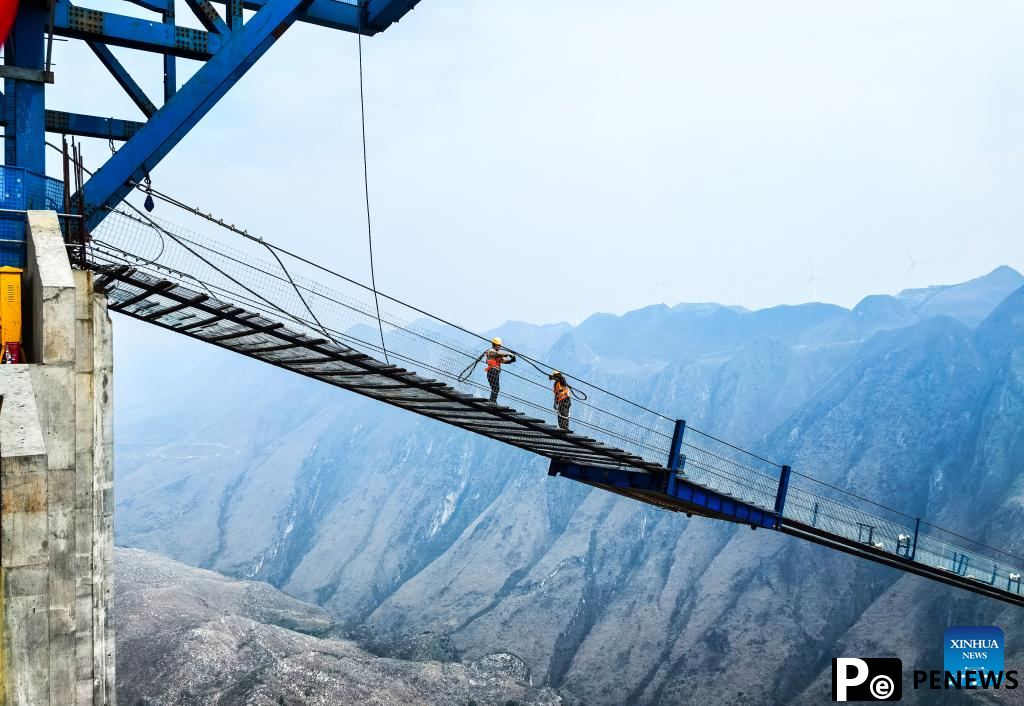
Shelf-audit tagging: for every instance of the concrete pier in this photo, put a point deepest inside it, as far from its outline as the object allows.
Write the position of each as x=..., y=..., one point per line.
x=56, y=488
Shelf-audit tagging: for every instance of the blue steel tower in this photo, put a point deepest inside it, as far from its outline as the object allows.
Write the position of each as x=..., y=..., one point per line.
x=235, y=34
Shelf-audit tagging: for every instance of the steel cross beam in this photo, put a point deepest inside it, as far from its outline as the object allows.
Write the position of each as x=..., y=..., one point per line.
x=123, y=78
x=120, y=30
x=186, y=108
x=85, y=125
x=228, y=45
x=381, y=14
x=378, y=14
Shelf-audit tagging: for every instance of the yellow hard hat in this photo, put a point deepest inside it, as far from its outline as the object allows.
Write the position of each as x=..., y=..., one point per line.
x=555, y=373
x=495, y=341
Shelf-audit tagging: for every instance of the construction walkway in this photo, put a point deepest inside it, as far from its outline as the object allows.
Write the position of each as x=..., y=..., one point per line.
x=175, y=279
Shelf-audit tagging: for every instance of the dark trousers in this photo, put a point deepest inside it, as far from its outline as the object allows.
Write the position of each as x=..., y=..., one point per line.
x=492, y=377
x=563, y=413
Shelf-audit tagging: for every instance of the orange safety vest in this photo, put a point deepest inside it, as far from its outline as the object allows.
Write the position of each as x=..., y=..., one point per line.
x=561, y=391
x=494, y=361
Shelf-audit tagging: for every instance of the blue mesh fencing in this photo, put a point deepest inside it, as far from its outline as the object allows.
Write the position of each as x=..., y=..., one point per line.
x=12, y=187
x=43, y=193
x=22, y=190
x=12, y=237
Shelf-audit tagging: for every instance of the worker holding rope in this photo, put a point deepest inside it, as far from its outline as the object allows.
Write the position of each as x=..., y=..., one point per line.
x=495, y=359
x=562, y=399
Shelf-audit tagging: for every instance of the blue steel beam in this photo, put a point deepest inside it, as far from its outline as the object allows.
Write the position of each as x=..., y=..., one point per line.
x=208, y=16
x=233, y=10
x=186, y=108
x=166, y=38
x=123, y=78
x=121, y=30
x=648, y=487
x=91, y=126
x=326, y=13
x=134, y=33
x=24, y=107
x=24, y=104
x=675, y=456
x=170, y=61
x=85, y=125
x=780, y=496
x=158, y=6
x=381, y=14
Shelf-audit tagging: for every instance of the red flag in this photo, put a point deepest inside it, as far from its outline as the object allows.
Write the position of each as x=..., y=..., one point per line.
x=8, y=8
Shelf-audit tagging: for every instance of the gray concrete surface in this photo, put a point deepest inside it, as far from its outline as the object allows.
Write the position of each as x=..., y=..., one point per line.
x=56, y=479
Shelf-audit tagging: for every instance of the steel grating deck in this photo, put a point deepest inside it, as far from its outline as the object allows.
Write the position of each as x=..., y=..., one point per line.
x=201, y=316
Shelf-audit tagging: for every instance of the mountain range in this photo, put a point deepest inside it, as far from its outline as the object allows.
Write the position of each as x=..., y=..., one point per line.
x=223, y=641
x=406, y=531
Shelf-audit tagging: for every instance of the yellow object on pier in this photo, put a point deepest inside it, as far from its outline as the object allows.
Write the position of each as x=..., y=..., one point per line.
x=10, y=306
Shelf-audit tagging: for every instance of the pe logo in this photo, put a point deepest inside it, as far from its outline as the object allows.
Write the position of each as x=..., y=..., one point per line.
x=867, y=679
x=974, y=652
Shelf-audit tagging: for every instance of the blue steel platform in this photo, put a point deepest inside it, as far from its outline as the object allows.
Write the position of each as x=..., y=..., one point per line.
x=666, y=491
x=677, y=494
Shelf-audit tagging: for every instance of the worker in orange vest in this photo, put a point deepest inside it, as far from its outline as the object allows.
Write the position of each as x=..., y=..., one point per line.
x=495, y=359
x=562, y=400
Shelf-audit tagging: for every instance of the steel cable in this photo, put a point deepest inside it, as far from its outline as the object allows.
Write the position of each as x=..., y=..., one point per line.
x=297, y=288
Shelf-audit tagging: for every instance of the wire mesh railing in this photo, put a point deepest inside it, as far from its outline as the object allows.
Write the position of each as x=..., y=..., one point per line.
x=725, y=469
x=840, y=513
x=426, y=344
x=345, y=312
x=719, y=466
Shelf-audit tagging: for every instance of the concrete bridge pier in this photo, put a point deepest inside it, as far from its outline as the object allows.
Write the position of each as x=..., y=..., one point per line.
x=56, y=488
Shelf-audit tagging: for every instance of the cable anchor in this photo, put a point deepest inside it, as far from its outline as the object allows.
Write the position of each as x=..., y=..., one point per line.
x=148, y=203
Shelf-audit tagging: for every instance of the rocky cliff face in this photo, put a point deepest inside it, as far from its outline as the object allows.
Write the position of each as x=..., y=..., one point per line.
x=399, y=526
x=187, y=636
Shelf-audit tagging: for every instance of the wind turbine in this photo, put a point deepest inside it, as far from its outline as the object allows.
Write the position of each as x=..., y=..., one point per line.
x=813, y=281
x=912, y=270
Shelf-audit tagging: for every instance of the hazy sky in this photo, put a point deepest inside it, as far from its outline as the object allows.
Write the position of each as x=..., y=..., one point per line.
x=545, y=160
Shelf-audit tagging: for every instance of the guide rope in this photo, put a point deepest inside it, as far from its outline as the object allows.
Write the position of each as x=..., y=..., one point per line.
x=366, y=178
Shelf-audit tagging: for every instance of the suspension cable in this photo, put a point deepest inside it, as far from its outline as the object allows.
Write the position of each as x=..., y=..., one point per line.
x=332, y=336
x=398, y=325
x=194, y=210
x=269, y=303
x=366, y=178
